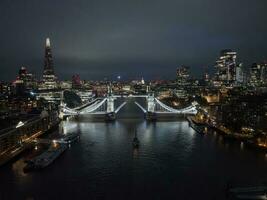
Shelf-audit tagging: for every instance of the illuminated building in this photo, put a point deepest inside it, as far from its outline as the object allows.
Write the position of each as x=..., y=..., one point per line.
x=51, y=96
x=182, y=76
x=205, y=81
x=76, y=81
x=142, y=81
x=49, y=78
x=226, y=67
x=14, y=139
x=85, y=96
x=239, y=74
x=126, y=88
x=24, y=81
x=206, y=77
x=6, y=88
x=180, y=93
x=65, y=84
x=257, y=74
x=182, y=80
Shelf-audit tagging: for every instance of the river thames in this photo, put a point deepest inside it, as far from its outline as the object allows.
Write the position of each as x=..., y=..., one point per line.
x=172, y=162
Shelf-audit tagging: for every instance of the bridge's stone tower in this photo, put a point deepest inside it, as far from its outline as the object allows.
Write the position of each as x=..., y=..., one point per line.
x=150, y=100
x=151, y=103
x=110, y=104
x=110, y=101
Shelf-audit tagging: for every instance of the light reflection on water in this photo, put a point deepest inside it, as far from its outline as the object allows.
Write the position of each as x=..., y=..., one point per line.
x=172, y=162
x=242, y=145
x=17, y=168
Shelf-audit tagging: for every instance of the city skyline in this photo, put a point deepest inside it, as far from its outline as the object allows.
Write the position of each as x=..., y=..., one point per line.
x=106, y=39
x=122, y=99
x=211, y=71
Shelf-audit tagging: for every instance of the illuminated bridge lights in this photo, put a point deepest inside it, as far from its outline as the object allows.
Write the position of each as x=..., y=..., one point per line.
x=106, y=106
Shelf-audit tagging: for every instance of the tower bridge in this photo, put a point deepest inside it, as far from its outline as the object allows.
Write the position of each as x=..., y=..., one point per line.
x=105, y=107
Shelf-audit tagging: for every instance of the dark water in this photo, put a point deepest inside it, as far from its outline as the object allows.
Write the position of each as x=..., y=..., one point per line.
x=173, y=162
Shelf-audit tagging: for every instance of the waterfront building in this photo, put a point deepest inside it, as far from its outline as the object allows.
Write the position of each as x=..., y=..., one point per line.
x=245, y=111
x=14, y=139
x=51, y=96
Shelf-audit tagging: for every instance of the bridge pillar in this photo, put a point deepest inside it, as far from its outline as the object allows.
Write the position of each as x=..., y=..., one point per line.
x=110, y=101
x=110, y=104
x=151, y=115
x=61, y=115
x=61, y=107
x=151, y=103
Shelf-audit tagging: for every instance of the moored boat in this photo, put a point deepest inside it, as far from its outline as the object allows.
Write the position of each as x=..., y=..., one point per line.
x=253, y=192
x=46, y=158
x=197, y=128
x=249, y=189
x=253, y=196
x=71, y=137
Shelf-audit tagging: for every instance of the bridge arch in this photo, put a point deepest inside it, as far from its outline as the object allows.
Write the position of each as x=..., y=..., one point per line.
x=105, y=107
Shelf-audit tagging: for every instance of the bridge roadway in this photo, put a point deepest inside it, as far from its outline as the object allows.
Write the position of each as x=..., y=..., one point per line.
x=110, y=106
x=130, y=96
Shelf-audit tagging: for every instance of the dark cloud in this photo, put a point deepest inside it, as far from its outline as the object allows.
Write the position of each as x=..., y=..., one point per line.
x=150, y=38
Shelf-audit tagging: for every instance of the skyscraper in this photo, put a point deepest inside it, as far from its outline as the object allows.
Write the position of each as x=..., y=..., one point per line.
x=226, y=67
x=258, y=74
x=182, y=80
x=49, y=78
x=25, y=81
x=182, y=76
x=239, y=74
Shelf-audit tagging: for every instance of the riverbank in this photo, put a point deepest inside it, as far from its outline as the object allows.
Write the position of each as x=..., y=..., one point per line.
x=196, y=126
x=248, y=139
x=21, y=142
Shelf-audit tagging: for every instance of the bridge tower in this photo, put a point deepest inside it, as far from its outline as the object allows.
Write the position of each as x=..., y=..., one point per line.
x=61, y=106
x=110, y=101
x=150, y=100
x=151, y=103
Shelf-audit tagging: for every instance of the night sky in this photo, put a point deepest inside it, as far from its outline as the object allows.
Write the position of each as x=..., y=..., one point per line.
x=131, y=38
